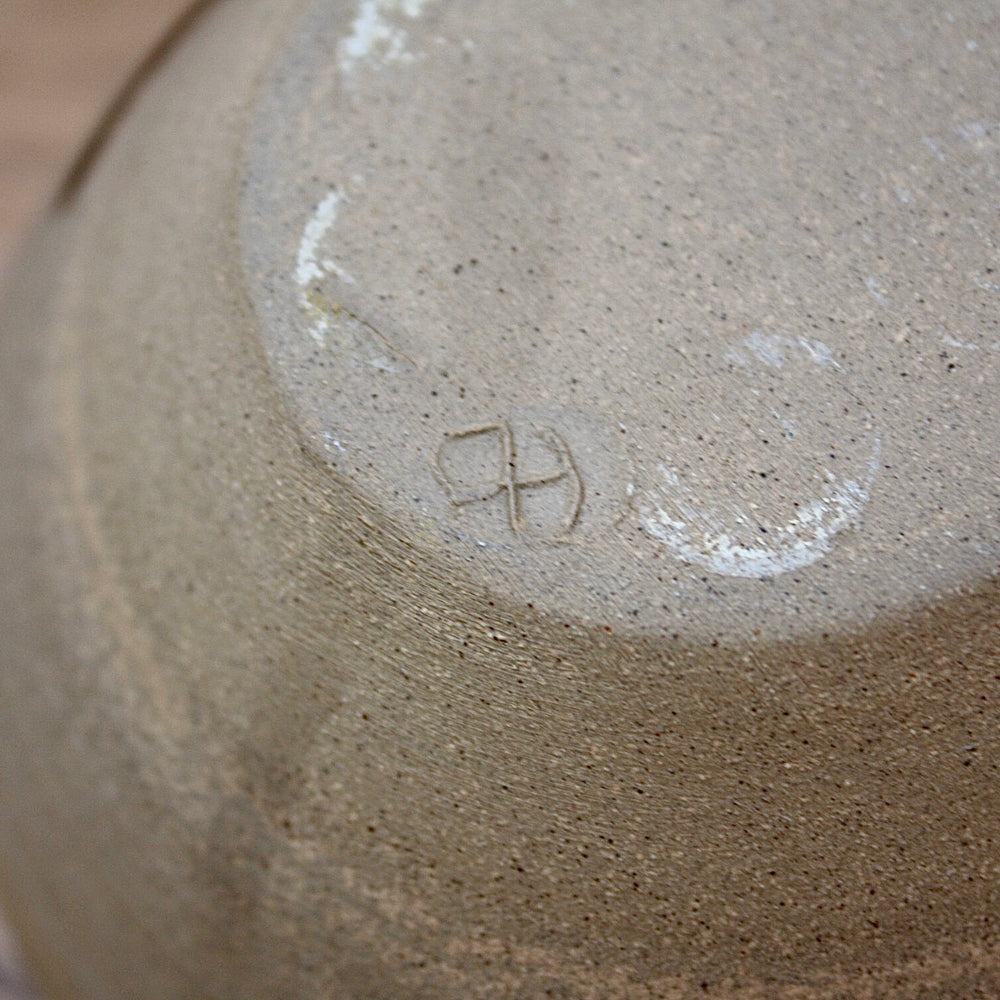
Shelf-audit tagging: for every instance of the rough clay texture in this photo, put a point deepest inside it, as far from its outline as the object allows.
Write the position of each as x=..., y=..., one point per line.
x=309, y=694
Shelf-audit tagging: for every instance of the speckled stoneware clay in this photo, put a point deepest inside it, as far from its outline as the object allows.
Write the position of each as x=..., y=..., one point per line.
x=501, y=501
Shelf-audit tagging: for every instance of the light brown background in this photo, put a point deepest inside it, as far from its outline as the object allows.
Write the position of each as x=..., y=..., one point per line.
x=61, y=62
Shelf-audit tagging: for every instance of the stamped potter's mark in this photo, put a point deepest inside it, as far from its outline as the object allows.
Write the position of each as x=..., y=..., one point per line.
x=483, y=463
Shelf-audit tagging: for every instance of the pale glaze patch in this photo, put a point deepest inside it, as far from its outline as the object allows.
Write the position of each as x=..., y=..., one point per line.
x=703, y=538
x=374, y=37
x=727, y=533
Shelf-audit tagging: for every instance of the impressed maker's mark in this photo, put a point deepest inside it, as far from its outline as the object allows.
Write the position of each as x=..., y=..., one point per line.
x=482, y=463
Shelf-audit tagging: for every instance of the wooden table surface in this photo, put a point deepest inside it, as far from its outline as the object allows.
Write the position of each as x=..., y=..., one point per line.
x=61, y=63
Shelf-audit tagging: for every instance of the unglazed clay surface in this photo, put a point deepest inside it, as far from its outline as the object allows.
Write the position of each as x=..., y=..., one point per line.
x=509, y=510
x=638, y=244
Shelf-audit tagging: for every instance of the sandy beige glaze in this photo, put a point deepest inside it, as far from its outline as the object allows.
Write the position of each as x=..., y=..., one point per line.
x=374, y=632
